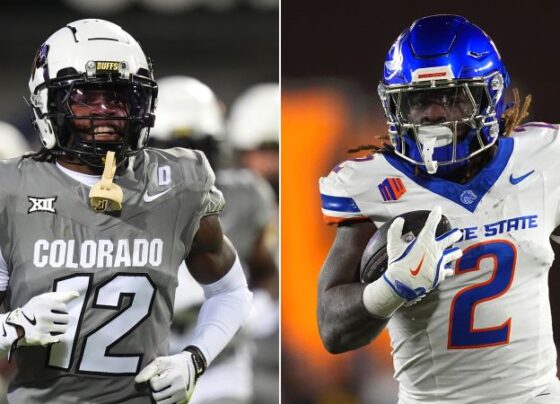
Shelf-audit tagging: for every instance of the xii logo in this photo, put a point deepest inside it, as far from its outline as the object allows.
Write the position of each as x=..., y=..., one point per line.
x=41, y=204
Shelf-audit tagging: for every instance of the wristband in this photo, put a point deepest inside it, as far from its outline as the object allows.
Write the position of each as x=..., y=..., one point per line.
x=198, y=358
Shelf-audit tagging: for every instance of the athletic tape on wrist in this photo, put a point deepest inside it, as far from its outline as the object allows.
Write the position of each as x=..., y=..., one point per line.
x=380, y=300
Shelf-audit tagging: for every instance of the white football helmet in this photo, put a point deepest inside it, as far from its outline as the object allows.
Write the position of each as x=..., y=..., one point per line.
x=188, y=115
x=91, y=55
x=12, y=142
x=187, y=107
x=255, y=117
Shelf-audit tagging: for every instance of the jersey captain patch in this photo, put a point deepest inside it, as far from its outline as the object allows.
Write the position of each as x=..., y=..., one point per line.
x=41, y=204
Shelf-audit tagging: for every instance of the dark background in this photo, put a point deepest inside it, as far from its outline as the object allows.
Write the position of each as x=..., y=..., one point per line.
x=350, y=39
x=229, y=47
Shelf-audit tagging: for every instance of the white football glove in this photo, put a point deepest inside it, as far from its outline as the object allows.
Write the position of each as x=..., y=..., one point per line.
x=419, y=266
x=172, y=378
x=42, y=315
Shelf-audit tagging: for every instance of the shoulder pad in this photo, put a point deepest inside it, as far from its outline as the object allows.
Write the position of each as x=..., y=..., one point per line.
x=537, y=134
x=11, y=172
x=197, y=175
x=537, y=143
x=346, y=181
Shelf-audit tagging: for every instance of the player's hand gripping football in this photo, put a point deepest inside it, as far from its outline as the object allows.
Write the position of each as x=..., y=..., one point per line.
x=419, y=266
x=44, y=318
x=172, y=378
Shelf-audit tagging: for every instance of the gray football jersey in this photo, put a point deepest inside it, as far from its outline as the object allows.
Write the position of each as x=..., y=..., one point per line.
x=249, y=208
x=124, y=267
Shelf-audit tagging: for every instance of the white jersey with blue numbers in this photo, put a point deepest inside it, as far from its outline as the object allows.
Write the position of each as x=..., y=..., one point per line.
x=485, y=334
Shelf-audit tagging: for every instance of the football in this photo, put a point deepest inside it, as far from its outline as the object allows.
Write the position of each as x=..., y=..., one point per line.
x=375, y=260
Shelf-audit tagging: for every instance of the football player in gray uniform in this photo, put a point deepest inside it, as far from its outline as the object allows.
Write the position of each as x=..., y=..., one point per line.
x=88, y=262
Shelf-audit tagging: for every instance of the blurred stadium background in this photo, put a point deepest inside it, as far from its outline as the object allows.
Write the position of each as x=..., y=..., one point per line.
x=332, y=58
x=230, y=45
x=227, y=44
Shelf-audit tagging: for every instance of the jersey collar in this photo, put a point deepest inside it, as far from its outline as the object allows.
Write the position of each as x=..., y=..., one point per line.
x=86, y=179
x=467, y=195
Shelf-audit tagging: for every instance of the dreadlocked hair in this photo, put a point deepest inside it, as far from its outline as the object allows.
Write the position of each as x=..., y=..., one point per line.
x=385, y=147
x=42, y=155
x=513, y=116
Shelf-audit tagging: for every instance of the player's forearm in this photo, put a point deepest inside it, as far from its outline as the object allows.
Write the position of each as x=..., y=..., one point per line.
x=344, y=322
x=227, y=305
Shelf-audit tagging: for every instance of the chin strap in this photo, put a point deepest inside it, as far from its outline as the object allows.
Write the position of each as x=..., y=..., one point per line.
x=106, y=195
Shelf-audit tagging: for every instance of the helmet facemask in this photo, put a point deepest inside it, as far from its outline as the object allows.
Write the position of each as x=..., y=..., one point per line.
x=81, y=107
x=441, y=125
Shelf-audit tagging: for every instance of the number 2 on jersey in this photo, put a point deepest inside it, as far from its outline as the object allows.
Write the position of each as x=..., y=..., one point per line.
x=462, y=334
x=94, y=356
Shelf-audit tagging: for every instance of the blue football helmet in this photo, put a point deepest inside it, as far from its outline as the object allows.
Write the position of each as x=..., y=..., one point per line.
x=443, y=92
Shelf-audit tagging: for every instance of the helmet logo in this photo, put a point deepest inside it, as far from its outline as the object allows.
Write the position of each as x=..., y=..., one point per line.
x=394, y=65
x=468, y=197
x=40, y=58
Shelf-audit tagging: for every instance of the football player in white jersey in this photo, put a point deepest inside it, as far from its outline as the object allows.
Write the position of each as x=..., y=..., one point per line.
x=88, y=262
x=468, y=312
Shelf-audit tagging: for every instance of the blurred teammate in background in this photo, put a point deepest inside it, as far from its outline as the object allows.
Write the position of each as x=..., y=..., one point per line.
x=12, y=142
x=190, y=115
x=468, y=312
x=254, y=128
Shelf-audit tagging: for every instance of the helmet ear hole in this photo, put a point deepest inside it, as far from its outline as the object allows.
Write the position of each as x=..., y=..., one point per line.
x=144, y=72
x=67, y=71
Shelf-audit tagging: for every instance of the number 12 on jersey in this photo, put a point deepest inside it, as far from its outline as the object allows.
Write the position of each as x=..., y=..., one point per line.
x=462, y=334
x=94, y=356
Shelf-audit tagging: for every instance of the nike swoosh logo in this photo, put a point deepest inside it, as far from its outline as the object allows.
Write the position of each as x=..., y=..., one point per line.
x=417, y=270
x=517, y=180
x=150, y=198
x=33, y=322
